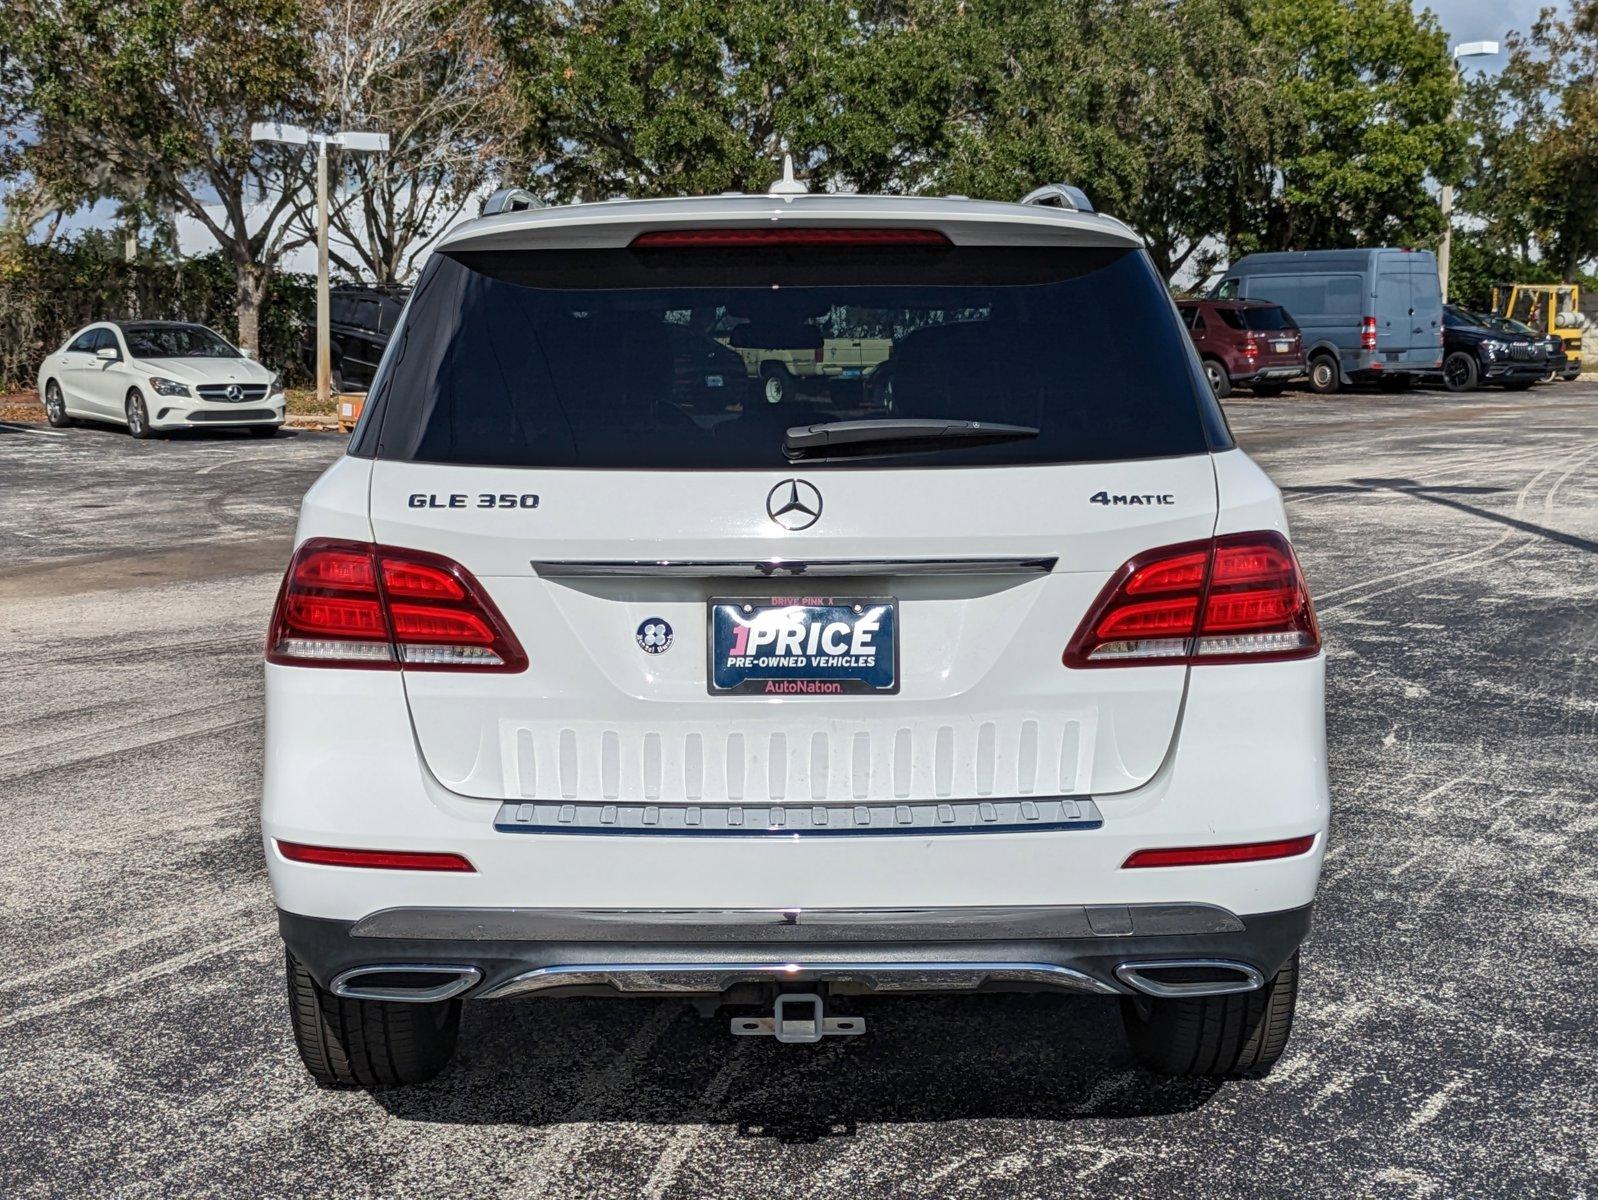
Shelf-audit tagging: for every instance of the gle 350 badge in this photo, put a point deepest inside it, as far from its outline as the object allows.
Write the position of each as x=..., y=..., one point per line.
x=804, y=646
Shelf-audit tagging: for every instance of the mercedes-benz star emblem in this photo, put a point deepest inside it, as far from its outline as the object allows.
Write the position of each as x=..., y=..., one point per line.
x=794, y=504
x=234, y=392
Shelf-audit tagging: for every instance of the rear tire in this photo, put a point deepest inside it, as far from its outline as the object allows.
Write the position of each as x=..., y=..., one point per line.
x=367, y=1043
x=1222, y=1037
x=55, y=406
x=1220, y=381
x=1325, y=376
x=776, y=384
x=1460, y=371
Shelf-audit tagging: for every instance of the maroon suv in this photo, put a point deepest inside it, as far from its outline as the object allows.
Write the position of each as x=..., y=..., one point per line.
x=1250, y=342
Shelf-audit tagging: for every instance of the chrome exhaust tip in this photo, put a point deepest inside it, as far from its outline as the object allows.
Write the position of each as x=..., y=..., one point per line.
x=1169, y=979
x=413, y=983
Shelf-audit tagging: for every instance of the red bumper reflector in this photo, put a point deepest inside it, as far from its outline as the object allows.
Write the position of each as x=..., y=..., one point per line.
x=386, y=860
x=1198, y=856
x=864, y=237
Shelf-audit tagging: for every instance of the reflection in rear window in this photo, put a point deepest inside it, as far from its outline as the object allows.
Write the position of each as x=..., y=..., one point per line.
x=702, y=359
x=1261, y=320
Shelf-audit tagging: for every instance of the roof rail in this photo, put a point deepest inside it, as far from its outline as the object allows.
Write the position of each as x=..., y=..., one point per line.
x=1059, y=195
x=510, y=199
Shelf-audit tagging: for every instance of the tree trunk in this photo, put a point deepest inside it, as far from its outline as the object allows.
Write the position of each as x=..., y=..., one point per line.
x=248, y=298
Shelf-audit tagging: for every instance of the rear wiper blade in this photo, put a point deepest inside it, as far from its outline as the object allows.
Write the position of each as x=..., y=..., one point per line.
x=895, y=435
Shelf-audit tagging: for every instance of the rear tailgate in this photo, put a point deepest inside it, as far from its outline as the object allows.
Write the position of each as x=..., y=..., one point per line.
x=536, y=417
x=985, y=707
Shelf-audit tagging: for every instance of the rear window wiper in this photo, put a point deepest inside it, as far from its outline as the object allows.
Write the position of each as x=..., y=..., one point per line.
x=894, y=435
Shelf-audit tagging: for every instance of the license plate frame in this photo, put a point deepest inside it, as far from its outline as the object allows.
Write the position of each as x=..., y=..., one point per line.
x=724, y=613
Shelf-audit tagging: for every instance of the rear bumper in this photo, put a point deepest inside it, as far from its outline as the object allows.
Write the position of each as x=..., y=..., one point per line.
x=1247, y=764
x=1274, y=374
x=510, y=952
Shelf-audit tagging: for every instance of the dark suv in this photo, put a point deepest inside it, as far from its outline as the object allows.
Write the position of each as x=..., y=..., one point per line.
x=1476, y=352
x=1250, y=342
x=362, y=318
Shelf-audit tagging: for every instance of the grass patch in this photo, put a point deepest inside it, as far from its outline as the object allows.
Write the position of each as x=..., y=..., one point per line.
x=301, y=403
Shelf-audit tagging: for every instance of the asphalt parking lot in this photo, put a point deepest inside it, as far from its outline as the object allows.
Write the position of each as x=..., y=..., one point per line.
x=1445, y=1043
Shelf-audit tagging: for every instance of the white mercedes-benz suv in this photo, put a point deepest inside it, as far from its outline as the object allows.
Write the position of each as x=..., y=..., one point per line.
x=981, y=662
x=153, y=376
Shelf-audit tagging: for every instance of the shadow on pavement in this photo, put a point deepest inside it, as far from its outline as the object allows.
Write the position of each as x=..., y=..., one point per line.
x=1436, y=495
x=541, y=1063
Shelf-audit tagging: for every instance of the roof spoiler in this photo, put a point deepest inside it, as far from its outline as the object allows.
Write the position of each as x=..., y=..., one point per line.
x=510, y=199
x=1059, y=195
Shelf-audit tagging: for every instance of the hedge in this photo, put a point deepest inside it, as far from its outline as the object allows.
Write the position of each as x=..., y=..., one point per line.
x=48, y=291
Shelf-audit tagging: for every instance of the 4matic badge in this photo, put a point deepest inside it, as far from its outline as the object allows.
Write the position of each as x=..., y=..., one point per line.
x=1141, y=498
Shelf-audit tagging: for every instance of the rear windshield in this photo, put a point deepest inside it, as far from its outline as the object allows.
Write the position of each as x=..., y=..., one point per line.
x=1261, y=320
x=699, y=358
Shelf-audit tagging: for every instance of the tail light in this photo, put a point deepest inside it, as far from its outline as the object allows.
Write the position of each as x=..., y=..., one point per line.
x=1251, y=348
x=383, y=860
x=1201, y=856
x=1367, y=333
x=1237, y=598
x=762, y=237
x=353, y=604
x=821, y=353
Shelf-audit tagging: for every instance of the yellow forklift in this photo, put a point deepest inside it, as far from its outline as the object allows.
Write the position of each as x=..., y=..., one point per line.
x=1552, y=308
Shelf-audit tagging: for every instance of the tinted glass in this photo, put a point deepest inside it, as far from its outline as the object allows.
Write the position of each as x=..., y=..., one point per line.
x=104, y=339
x=1261, y=320
x=83, y=343
x=702, y=359
x=175, y=341
x=1311, y=295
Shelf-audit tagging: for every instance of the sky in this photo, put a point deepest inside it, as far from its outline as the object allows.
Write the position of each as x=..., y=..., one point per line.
x=1486, y=20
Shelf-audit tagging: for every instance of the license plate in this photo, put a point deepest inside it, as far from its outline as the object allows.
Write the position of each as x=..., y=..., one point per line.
x=1282, y=347
x=804, y=645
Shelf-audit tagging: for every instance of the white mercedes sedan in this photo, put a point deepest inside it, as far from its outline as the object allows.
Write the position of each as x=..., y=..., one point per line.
x=154, y=376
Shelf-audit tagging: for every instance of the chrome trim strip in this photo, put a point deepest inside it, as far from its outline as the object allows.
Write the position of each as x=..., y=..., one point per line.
x=709, y=978
x=797, y=925
x=346, y=983
x=717, y=568
x=1131, y=974
x=913, y=817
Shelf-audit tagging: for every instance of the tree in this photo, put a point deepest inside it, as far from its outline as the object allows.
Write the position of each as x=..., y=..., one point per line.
x=1369, y=94
x=427, y=74
x=1534, y=176
x=156, y=100
x=641, y=98
x=1155, y=109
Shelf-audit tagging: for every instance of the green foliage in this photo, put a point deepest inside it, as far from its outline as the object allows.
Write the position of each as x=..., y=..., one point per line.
x=651, y=99
x=1261, y=123
x=150, y=102
x=1371, y=88
x=1533, y=179
x=1478, y=262
x=48, y=291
